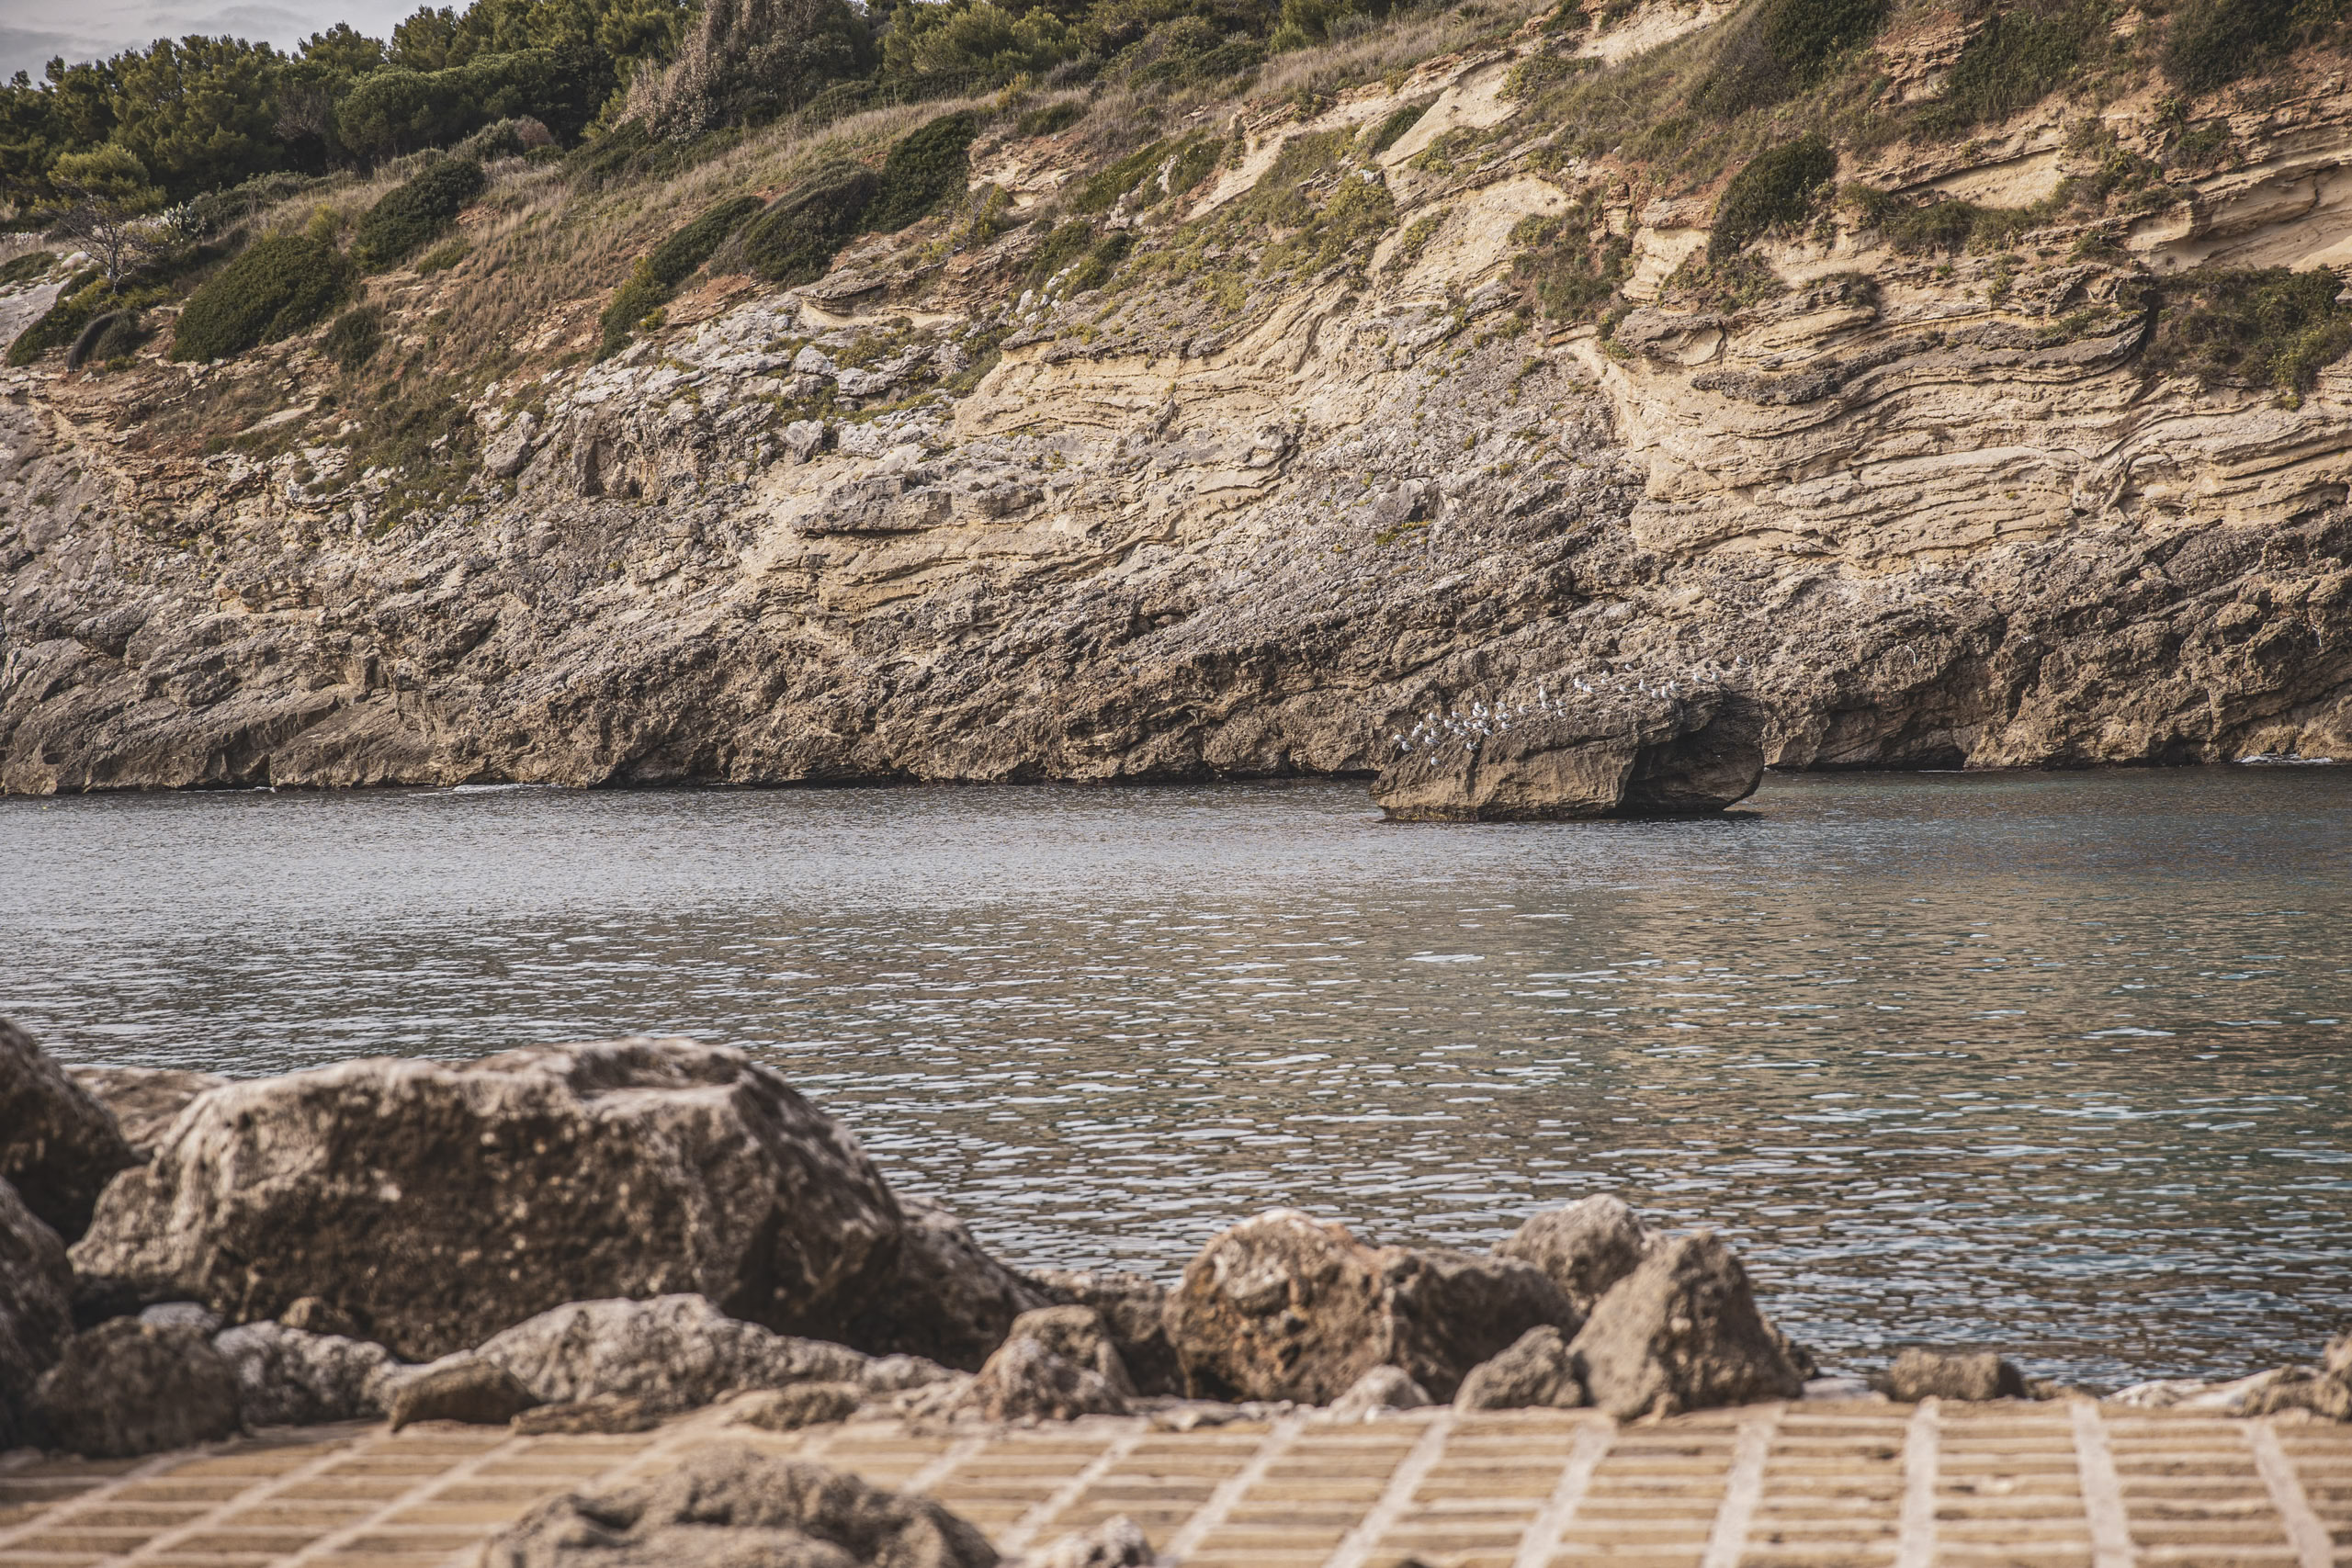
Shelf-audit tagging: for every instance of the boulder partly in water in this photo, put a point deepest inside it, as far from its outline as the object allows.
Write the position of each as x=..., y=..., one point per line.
x=1615, y=757
x=1683, y=1332
x=1586, y=1246
x=432, y=1205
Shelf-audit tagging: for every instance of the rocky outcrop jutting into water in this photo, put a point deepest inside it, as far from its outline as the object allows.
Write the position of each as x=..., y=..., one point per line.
x=1645, y=757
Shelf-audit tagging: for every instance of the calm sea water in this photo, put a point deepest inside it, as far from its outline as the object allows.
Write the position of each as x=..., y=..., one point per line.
x=2052, y=1063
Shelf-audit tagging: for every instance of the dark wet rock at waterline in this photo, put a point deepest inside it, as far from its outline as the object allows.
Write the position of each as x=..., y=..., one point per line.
x=1610, y=757
x=946, y=1298
x=1283, y=1307
x=1057, y=1363
x=127, y=1388
x=728, y=1507
x=1537, y=1372
x=1682, y=1332
x=1132, y=1309
x=432, y=1205
x=59, y=1146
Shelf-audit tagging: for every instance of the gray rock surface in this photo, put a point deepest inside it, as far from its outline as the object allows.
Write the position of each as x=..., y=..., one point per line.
x=1559, y=761
x=59, y=1147
x=1919, y=1373
x=145, y=1101
x=1383, y=1388
x=1132, y=1309
x=1682, y=1332
x=1057, y=1364
x=127, y=1388
x=1118, y=1542
x=1283, y=1307
x=730, y=1508
x=461, y=1388
x=946, y=1298
x=289, y=1377
x=1536, y=1373
x=805, y=1404
x=36, y=1314
x=675, y=1352
x=434, y=1205
x=1586, y=1246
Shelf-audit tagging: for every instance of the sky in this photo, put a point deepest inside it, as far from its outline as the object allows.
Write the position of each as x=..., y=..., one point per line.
x=33, y=30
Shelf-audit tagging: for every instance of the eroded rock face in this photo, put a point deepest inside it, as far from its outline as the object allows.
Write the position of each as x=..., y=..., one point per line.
x=145, y=1101
x=289, y=1378
x=946, y=1299
x=1677, y=756
x=1586, y=1246
x=36, y=1317
x=58, y=1145
x=675, y=1352
x=1954, y=1374
x=1537, y=1372
x=1682, y=1332
x=127, y=1388
x=433, y=1206
x=726, y=1507
x=1282, y=1307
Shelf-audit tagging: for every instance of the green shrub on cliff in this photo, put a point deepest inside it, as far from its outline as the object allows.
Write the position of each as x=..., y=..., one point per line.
x=280, y=286
x=794, y=240
x=1776, y=188
x=2269, y=327
x=924, y=166
x=355, y=336
x=2016, y=60
x=654, y=280
x=1781, y=46
x=398, y=226
x=2210, y=43
x=83, y=297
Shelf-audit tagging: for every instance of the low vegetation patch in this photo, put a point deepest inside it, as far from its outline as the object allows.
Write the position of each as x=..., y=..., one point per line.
x=2017, y=57
x=923, y=168
x=2210, y=43
x=280, y=286
x=2269, y=327
x=413, y=214
x=355, y=336
x=1776, y=190
x=26, y=268
x=796, y=239
x=85, y=296
x=654, y=280
x=1564, y=272
x=1781, y=47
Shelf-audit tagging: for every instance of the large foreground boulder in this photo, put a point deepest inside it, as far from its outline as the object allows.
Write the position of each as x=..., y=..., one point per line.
x=1604, y=756
x=1586, y=1246
x=730, y=1508
x=36, y=1315
x=946, y=1299
x=1282, y=1307
x=1057, y=1364
x=127, y=1388
x=1682, y=1332
x=433, y=1205
x=1132, y=1309
x=58, y=1145
x=145, y=1101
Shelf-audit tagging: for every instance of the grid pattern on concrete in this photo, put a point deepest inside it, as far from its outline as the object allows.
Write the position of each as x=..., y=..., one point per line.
x=2073, y=1485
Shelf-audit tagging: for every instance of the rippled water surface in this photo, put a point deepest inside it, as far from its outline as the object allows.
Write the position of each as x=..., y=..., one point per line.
x=2052, y=1062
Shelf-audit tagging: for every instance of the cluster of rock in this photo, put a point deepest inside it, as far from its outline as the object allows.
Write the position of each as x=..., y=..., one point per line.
x=591, y=1238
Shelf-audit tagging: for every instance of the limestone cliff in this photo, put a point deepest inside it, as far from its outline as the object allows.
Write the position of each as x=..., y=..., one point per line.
x=927, y=519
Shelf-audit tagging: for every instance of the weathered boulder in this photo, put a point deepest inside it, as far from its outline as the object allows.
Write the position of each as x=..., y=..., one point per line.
x=462, y=1388
x=36, y=1314
x=58, y=1145
x=604, y=1415
x=433, y=1205
x=675, y=1352
x=805, y=1404
x=145, y=1101
x=1586, y=1246
x=1132, y=1309
x=1536, y=1373
x=1282, y=1307
x=1682, y=1332
x=1625, y=756
x=127, y=1388
x=1920, y=1373
x=946, y=1298
x=1057, y=1364
x=1383, y=1388
x=289, y=1378
x=730, y=1508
